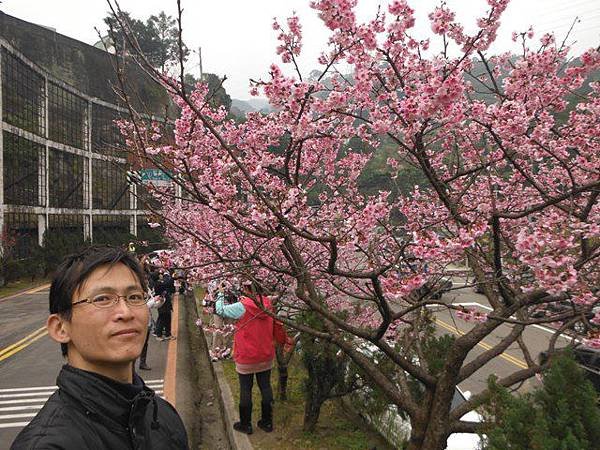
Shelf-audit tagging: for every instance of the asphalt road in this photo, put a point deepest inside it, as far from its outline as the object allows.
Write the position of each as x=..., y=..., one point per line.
x=30, y=362
x=535, y=337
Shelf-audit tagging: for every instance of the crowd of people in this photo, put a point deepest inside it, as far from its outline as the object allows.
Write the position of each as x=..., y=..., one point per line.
x=162, y=285
x=241, y=326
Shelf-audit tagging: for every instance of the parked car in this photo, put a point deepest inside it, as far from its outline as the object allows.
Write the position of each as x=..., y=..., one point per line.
x=588, y=359
x=581, y=327
x=395, y=427
x=435, y=288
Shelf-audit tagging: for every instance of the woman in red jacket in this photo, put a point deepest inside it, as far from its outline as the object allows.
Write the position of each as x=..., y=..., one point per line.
x=254, y=351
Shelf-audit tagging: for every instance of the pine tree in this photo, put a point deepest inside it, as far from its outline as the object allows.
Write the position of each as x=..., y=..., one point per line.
x=561, y=415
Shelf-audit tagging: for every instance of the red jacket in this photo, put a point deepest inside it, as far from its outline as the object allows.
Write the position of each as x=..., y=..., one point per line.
x=255, y=333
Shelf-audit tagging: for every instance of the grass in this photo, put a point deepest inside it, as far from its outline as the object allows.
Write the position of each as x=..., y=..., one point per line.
x=337, y=428
x=19, y=285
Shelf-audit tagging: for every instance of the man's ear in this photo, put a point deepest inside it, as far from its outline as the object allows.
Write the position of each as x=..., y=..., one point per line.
x=58, y=328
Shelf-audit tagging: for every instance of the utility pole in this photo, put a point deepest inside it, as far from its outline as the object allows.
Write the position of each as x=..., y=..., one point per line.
x=200, y=61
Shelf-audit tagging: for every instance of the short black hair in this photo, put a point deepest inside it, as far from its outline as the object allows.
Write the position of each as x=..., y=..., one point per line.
x=75, y=268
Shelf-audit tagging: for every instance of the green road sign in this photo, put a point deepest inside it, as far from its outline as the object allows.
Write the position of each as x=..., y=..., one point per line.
x=153, y=175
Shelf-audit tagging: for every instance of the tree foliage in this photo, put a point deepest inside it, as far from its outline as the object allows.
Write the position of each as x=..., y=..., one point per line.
x=561, y=415
x=158, y=37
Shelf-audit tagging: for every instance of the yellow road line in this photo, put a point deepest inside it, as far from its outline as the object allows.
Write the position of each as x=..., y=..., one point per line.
x=516, y=361
x=37, y=289
x=21, y=347
x=16, y=344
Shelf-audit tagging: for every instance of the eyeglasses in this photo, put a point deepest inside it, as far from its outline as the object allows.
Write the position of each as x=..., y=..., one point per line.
x=108, y=300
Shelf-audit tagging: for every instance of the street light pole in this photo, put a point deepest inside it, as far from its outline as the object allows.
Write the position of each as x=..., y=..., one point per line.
x=200, y=61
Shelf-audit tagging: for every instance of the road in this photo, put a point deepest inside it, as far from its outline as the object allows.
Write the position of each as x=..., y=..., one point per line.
x=30, y=362
x=535, y=337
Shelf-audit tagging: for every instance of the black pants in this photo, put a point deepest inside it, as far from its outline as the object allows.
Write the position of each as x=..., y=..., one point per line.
x=163, y=324
x=145, y=349
x=263, y=379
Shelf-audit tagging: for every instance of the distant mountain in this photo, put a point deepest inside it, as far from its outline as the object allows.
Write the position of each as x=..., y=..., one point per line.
x=241, y=107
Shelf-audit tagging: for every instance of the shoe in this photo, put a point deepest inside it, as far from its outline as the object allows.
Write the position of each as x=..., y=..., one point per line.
x=143, y=366
x=245, y=423
x=160, y=338
x=266, y=421
x=169, y=338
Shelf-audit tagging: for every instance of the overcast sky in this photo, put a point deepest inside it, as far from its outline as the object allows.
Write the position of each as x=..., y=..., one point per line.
x=237, y=39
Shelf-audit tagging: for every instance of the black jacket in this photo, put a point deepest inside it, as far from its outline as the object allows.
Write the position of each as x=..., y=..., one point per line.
x=87, y=412
x=166, y=288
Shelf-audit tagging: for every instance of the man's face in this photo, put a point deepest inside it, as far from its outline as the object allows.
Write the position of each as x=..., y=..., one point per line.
x=114, y=336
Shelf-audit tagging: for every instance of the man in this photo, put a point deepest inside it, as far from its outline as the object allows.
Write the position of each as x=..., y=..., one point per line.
x=99, y=316
x=166, y=288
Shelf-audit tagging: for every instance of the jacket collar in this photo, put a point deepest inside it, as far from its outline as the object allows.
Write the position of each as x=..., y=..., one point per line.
x=100, y=398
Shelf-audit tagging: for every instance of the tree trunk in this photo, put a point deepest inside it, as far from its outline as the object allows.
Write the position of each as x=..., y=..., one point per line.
x=430, y=430
x=312, y=410
x=282, y=369
x=283, y=377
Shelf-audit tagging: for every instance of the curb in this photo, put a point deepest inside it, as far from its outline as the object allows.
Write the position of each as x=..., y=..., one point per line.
x=29, y=290
x=238, y=441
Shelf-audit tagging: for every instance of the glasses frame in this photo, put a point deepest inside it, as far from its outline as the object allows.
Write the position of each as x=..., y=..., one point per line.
x=118, y=297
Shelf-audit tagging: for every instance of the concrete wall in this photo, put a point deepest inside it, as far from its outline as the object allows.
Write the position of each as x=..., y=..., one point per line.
x=86, y=68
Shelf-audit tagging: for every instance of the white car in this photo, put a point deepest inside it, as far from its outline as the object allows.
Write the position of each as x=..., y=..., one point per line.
x=396, y=429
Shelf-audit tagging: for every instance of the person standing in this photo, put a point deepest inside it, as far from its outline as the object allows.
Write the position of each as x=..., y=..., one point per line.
x=99, y=316
x=165, y=287
x=152, y=303
x=253, y=352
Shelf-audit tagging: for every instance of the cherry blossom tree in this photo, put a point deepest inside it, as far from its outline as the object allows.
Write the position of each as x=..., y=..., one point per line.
x=508, y=146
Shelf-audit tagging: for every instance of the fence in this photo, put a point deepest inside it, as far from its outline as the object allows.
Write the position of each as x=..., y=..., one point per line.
x=62, y=165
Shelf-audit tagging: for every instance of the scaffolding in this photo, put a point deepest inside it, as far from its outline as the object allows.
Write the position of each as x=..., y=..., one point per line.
x=63, y=168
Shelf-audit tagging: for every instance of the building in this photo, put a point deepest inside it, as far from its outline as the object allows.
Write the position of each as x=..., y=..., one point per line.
x=63, y=169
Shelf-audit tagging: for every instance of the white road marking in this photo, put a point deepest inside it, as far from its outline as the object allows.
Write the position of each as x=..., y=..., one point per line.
x=547, y=330
x=13, y=425
x=38, y=388
x=29, y=394
x=20, y=407
x=24, y=400
x=17, y=416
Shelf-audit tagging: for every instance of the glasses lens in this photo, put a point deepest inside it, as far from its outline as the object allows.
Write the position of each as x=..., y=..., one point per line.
x=137, y=299
x=104, y=300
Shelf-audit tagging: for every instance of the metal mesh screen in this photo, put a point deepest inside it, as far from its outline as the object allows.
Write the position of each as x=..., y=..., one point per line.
x=67, y=117
x=23, y=172
x=111, y=229
x=145, y=200
x=106, y=137
x=110, y=189
x=23, y=99
x=72, y=222
x=22, y=229
x=66, y=179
